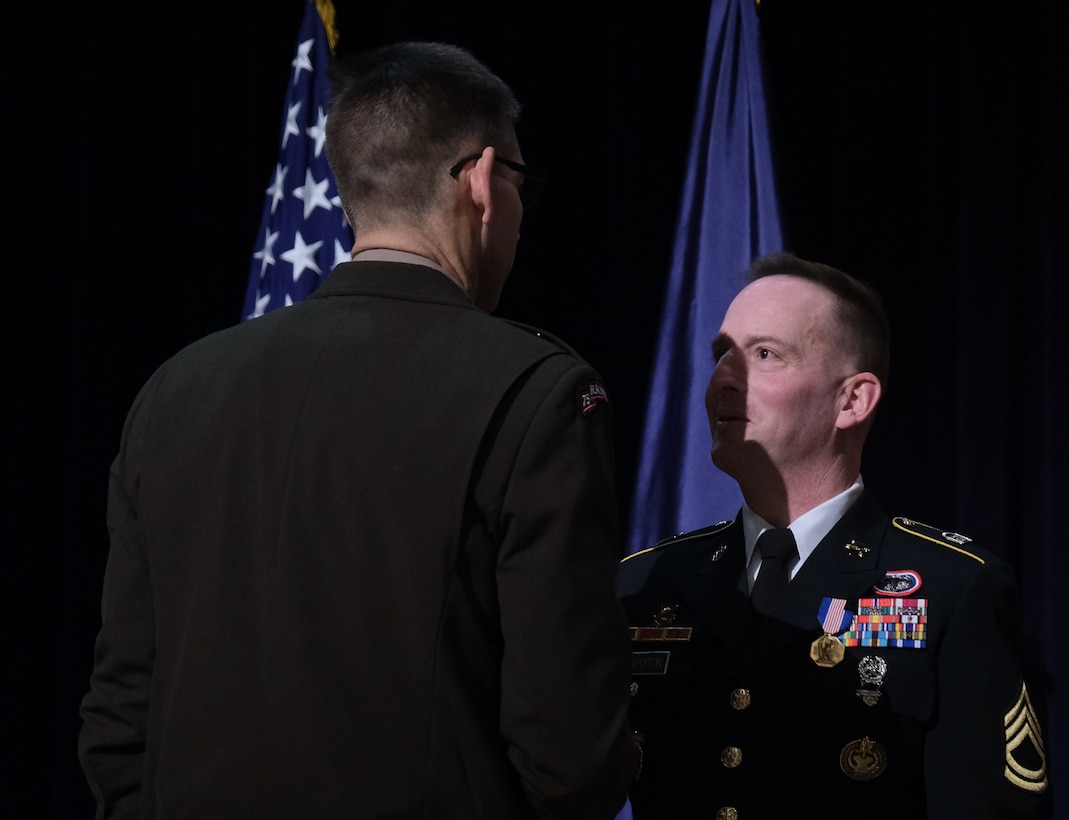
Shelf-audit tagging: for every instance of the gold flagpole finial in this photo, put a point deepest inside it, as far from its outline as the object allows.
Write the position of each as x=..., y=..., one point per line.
x=327, y=15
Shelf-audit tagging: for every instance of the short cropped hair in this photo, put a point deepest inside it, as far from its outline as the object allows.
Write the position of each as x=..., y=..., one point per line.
x=401, y=115
x=863, y=323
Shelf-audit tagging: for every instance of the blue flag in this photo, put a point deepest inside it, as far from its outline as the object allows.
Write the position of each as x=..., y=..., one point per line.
x=303, y=233
x=728, y=216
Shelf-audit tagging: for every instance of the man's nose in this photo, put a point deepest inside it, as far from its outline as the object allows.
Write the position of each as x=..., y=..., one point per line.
x=720, y=379
x=724, y=372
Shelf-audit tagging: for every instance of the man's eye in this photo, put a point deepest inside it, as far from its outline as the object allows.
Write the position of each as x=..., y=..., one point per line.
x=764, y=353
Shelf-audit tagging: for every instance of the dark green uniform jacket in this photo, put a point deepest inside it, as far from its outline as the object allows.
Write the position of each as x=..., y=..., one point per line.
x=362, y=561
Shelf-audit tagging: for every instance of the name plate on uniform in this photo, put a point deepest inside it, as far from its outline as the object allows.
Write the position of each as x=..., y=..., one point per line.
x=660, y=633
x=649, y=663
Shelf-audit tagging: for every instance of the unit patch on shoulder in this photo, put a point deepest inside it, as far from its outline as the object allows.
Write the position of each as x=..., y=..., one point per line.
x=1026, y=761
x=944, y=538
x=592, y=396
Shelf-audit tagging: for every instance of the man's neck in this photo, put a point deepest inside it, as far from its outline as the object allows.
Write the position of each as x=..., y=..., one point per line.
x=419, y=245
x=780, y=500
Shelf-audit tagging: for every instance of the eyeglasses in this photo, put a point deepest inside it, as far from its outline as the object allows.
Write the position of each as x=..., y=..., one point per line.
x=531, y=187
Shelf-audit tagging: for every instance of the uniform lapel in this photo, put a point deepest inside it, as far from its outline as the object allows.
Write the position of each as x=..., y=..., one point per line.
x=717, y=594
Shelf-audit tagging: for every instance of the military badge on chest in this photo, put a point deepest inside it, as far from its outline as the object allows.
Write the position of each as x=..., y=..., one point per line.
x=834, y=617
x=891, y=618
x=862, y=759
x=865, y=758
x=655, y=661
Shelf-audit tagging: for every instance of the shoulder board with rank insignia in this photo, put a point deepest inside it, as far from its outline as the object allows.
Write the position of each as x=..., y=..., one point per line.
x=944, y=538
x=683, y=536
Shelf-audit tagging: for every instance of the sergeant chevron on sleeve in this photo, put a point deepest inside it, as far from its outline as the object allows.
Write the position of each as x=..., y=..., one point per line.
x=815, y=656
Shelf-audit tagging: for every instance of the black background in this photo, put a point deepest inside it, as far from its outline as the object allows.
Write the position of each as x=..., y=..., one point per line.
x=921, y=146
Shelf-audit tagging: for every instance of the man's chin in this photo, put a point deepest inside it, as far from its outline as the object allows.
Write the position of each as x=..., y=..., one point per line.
x=727, y=454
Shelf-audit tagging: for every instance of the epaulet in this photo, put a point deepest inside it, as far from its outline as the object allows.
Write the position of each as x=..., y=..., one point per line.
x=543, y=334
x=679, y=538
x=592, y=393
x=944, y=538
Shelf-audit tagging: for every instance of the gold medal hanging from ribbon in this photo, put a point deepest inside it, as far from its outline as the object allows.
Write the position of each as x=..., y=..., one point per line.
x=834, y=617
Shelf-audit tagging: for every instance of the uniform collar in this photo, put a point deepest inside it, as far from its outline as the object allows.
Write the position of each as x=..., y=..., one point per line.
x=390, y=255
x=393, y=278
x=809, y=528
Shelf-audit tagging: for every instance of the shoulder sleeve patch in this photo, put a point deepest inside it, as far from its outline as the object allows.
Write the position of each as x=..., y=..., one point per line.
x=944, y=538
x=592, y=395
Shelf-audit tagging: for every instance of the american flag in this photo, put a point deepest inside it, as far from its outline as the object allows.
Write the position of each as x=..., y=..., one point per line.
x=303, y=233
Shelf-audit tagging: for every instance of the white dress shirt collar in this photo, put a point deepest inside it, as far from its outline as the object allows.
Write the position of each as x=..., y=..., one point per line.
x=809, y=528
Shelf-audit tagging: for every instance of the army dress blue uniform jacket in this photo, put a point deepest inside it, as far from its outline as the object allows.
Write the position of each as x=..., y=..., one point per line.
x=739, y=722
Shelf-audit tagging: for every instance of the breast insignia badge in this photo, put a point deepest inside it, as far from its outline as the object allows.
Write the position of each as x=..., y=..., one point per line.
x=863, y=759
x=872, y=669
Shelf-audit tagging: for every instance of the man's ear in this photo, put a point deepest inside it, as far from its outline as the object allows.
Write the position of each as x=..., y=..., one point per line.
x=479, y=183
x=858, y=399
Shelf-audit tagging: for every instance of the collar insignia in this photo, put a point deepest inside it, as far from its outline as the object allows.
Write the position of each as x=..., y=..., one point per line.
x=856, y=549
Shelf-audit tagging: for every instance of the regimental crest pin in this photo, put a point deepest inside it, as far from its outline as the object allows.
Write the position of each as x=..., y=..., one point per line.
x=666, y=615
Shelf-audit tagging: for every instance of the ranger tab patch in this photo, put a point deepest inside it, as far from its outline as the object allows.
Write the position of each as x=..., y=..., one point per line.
x=592, y=396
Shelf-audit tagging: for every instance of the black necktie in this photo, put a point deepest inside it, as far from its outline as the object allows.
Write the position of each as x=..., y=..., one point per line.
x=777, y=548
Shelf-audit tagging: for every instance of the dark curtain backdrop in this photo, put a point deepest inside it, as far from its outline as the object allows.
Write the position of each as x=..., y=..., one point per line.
x=921, y=146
